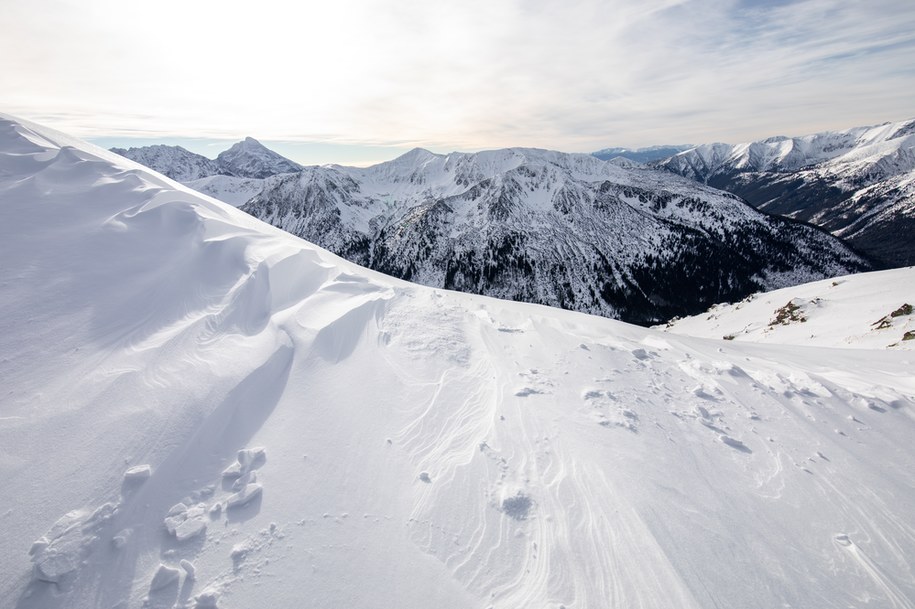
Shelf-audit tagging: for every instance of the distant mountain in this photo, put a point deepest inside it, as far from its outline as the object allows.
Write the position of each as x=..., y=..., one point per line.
x=858, y=184
x=640, y=155
x=245, y=160
x=251, y=159
x=174, y=162
x=566, y=230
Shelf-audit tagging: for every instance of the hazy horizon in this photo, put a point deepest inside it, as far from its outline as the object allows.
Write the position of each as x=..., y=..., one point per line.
x=363, y=82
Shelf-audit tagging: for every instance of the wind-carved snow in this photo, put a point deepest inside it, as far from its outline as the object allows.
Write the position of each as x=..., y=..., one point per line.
x=642, y=469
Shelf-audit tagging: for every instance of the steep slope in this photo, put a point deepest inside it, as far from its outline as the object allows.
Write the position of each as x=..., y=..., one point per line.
x=174, y=162
x=873, y=310
x=856, y=183
x=181, y=427
x=251, y=159
x=558, y=229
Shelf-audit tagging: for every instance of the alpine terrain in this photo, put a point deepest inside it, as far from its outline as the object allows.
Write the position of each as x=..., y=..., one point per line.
x=565, y=230
x=874, y=310
x=234, y=177
x=200, y=410
x=858, y=184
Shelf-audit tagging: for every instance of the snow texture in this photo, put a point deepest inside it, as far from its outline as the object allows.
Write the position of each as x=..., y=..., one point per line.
x=870, y=310
x=145, y=324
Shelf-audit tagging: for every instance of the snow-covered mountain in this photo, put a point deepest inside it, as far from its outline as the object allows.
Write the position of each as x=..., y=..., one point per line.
x=872, y=310
x=858, y=184
x=174, y=162
x=251, y=159
x=236, y=172
x=565, y=230
x=202, y=411
x=640, y=155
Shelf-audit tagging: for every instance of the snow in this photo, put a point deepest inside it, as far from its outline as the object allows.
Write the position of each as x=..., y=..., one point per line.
x=835, y=153
x=141, y=323
x=229, y=189
x=867, y=310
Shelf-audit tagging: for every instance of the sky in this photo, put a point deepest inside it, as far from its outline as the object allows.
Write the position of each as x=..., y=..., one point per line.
x=360, y=81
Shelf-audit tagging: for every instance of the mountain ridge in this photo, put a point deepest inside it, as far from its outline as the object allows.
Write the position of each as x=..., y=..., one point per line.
x=246, y=159
x=859, y=183
x=554, y=228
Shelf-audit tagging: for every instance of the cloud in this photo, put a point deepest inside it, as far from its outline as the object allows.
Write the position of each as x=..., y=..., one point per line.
x=468, y=75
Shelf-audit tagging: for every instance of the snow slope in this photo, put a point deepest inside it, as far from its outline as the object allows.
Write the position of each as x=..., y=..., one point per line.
x=229, y=189
x=869, y=310
x=201, y=410
x=174, y=162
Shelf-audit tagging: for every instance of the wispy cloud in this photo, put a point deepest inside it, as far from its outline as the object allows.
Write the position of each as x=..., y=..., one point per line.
x=576, y=76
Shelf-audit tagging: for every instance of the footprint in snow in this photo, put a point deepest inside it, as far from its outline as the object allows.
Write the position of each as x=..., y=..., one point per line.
x=734, y=443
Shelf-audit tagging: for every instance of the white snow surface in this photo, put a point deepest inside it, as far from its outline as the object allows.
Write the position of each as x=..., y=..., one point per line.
x=411, y=447
x=229, y=189
x=868, y=310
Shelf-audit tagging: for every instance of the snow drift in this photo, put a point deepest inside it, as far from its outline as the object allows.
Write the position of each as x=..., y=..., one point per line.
x=202, y=411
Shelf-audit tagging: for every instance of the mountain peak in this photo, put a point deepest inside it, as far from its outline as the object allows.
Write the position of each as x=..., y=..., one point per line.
x=251, y=159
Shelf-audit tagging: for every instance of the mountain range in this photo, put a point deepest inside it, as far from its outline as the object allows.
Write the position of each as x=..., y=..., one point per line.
x=202, y=411
x=565, y=230
x=403, y=218
x=859, y=183
x=234, y=176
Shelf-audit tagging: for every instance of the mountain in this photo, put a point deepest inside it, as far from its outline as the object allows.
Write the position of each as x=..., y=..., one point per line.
x=565, y=230
x=251, y=159
x=858, y=184
x=174, y=162
x=872, y=310
x=201, y=411
x=233, y=177
x=640, y=155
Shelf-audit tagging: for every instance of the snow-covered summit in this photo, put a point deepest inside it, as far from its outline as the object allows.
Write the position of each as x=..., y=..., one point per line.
x=251, y=159
x=202, y=411
x=244, y=160
x=840, y=152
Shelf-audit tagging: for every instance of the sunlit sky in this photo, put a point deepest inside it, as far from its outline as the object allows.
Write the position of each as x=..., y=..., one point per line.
x=362, y=80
